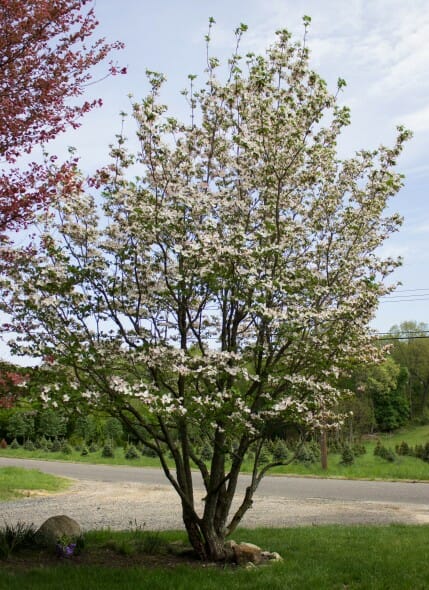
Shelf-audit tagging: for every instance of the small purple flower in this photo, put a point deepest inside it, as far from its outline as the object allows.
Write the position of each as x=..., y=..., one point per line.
x=69, y=550
x=65, y=550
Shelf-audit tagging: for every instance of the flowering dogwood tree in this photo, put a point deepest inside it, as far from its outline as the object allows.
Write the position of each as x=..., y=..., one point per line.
x=227, y=287
x=46, y=56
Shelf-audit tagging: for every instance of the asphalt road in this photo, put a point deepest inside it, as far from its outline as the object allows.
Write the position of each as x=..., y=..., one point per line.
x=290, y=488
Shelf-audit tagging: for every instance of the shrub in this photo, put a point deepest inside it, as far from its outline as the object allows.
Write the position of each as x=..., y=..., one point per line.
x=426, y=453
x=16, y=537
x=280, y=450
x=377, y=448
x=347, y=456
x=315, y=450
x=206, y=452
x=66, y=448
x=335, y=446
x=132, y=453
x=14, y=444
x=305, y=455
x=403, y=449
x=93, y=448
x=264, y=456
x=386, y=454
x=358, y=450
x=84, y=451
x=108, y=450
x=29, y=445
x=148, y=452
x=56, y=446
x=42, y=443
x=422, y=452
x=21, y=424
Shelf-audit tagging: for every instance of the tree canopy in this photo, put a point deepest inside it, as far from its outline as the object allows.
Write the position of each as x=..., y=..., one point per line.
x=410, y=348
x=46, y=57
x=229, y=286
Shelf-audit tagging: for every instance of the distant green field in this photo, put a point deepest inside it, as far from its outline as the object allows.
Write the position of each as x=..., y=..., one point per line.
x=367, y=466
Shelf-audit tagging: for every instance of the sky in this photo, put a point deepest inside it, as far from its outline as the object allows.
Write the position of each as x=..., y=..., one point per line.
x=378, y=46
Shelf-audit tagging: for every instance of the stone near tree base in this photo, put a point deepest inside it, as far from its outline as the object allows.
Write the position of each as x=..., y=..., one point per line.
x=56, y=528
x=271, y=556
x=248, y=553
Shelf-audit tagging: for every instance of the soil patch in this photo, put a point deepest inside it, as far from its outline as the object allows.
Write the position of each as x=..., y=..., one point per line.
x=101, y=557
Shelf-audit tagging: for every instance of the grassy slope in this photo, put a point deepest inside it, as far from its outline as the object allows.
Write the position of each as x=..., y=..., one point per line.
x=16, y=482
x=326, y=558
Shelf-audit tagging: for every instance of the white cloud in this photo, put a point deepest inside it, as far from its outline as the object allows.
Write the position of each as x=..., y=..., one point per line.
x=418, y=120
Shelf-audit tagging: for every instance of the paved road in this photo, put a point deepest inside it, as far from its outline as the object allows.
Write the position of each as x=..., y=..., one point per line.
x=290, y=488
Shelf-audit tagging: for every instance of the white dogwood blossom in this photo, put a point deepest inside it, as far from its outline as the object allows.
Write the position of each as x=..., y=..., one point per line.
x=225, y=289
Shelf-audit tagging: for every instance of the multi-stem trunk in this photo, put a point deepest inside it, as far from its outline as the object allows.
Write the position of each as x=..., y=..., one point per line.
x=207, y=543
x=207, y=533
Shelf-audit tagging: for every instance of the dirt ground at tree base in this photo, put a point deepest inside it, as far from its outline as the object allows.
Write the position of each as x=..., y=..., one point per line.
x=120, y=506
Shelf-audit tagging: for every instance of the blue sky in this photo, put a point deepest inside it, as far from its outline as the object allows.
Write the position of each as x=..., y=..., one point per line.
x=378, y=46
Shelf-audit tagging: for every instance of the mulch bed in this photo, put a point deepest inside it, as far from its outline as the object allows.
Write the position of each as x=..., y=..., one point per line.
x=101, y=557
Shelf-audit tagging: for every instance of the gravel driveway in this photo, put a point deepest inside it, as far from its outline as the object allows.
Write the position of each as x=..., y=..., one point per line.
x=96, y=505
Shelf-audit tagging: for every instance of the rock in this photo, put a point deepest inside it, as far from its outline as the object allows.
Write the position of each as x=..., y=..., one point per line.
x=56, y=528
x=229, y=550
x=271, y=556
x=245, y=553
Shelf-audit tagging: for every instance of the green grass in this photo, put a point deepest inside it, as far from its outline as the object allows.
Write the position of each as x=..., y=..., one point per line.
x=414, y=436
x=365, y=467
x=118, y=459
x=16, y=482
x=322, y=558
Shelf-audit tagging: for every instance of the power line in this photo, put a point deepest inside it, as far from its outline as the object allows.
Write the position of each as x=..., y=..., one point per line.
x=411, y=332
x=403, y=337
x=406, y=295
x=410, y=290
x=406, y=300
x=411, y=335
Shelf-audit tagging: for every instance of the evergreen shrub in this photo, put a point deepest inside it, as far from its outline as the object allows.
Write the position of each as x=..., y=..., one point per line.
x=108, y=450
x=132, y=453
x=347, y=456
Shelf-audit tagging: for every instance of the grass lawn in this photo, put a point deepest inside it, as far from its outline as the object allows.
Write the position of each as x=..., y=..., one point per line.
x=16, y=482
x=365, y=467
x=414, y=436
x=327, y=557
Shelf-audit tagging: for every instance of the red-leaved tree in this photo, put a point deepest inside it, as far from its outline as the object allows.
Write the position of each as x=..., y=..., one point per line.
x=12, y=382
x=46, y=57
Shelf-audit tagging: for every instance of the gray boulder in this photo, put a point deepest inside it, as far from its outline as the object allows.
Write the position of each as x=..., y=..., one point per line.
x=57, y=529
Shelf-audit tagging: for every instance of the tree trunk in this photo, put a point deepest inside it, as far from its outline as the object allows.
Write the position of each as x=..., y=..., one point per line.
x=194, y=534
x=324, y=449
x=207, y=543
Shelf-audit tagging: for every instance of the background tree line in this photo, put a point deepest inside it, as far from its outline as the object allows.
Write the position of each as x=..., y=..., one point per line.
x=385, y=397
